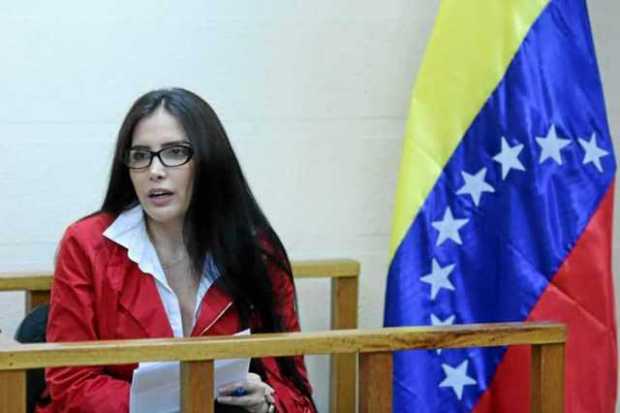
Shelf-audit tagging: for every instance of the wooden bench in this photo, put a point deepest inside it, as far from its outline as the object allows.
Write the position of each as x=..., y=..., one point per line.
x=374, y=348
x=344, y=274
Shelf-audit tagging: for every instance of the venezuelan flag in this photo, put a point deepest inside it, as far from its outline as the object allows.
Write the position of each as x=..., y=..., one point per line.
x=504, y=206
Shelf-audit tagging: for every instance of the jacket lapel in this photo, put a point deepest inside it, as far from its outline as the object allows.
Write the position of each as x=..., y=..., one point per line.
x=139, y=303
x=216, y=304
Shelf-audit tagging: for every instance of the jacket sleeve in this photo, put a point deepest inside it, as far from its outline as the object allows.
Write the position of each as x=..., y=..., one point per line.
x=289, y=398
x=72, y=317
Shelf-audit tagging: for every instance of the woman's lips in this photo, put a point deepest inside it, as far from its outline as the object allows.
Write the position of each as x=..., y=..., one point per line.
x=161, y=200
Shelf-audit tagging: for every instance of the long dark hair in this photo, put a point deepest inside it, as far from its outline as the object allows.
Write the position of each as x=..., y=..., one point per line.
x=223, y=218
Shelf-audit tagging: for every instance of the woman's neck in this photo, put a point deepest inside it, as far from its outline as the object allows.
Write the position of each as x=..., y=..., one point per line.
x=167, y=240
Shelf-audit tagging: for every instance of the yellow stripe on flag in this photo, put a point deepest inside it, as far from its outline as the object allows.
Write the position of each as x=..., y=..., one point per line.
x=471, y=46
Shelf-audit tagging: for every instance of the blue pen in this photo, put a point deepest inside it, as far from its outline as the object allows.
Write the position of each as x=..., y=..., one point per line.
x=238, y=392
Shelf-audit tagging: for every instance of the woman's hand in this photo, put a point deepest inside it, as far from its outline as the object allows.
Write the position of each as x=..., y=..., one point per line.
x=254, y=394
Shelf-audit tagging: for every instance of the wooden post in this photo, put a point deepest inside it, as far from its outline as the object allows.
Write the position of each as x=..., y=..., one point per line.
x=197, y=386
x=343, y=367
x=375, y=381
x=548, y=378
x=34, y=298
x=13, y=391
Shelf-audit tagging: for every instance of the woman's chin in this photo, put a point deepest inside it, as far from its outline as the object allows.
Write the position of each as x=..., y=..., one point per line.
x=163, y=215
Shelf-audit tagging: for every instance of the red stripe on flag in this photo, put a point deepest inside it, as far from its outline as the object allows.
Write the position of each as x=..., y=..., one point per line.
x=582, y=296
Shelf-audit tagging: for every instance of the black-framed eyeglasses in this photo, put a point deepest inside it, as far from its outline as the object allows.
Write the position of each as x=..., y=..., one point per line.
x=175, y=155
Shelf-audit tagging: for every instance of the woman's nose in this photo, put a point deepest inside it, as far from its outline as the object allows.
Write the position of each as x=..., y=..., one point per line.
x=157, y=170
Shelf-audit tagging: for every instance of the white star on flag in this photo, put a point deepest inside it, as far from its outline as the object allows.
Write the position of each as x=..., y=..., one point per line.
x=449, y=228
x=475, y=185
x=509, y=158
x=438, y=278
x=593, y=152
x=551, y=146
x=457, y=378
x=435, y=321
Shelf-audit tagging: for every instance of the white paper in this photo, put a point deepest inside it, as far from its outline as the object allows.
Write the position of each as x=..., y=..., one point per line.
x=156, y=386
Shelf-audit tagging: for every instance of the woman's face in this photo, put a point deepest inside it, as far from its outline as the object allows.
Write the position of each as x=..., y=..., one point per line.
x=164, y=192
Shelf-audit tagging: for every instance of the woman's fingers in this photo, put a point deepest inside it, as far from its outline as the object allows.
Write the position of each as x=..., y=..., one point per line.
x=241, y=388
x=245, y=401
x=253, y=377
x=253, y=394
x=232, y=388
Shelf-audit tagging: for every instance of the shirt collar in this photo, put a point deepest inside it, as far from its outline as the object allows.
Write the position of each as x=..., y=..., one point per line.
x=129, y=231
x=125, y=226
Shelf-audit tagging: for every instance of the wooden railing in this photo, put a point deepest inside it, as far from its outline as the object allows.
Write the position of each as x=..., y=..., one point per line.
x=344, y=274
x=374, y=348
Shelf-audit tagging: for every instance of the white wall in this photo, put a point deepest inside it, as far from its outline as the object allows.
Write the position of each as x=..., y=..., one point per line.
x=314, y=95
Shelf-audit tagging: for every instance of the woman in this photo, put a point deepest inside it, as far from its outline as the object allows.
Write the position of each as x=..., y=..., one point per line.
x=179, y=248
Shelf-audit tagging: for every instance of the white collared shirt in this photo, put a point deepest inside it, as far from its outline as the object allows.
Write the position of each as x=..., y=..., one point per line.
x=129, y=230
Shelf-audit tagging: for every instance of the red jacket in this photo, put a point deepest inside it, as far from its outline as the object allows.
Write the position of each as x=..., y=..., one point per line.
x=100, y=294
